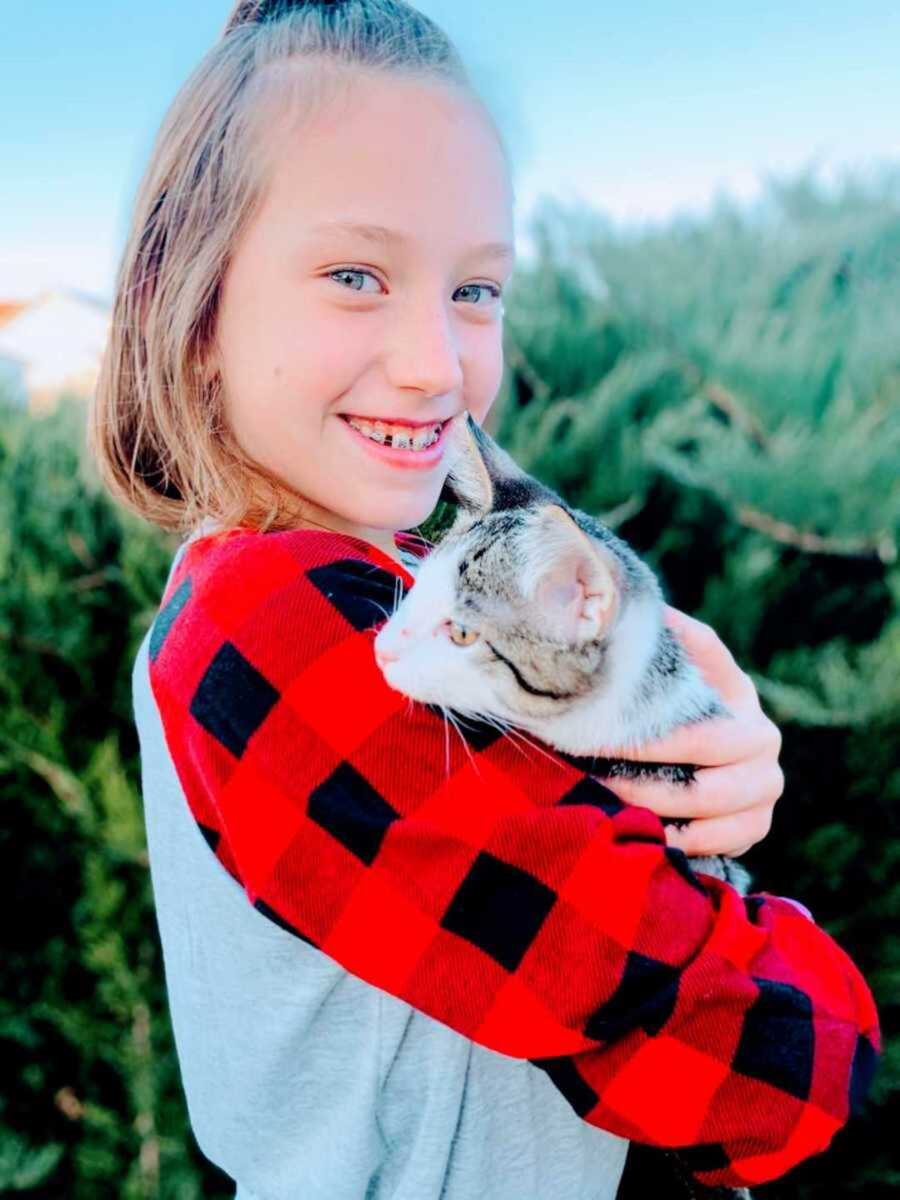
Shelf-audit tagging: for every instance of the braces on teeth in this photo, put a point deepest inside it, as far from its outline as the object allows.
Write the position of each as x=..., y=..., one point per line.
x=400, y=440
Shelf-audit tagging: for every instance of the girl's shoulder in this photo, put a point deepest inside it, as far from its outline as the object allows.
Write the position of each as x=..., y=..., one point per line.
x=256, y=589
x=222, y=560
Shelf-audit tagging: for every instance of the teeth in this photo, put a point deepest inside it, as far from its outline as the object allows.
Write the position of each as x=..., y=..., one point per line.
x=399, y=436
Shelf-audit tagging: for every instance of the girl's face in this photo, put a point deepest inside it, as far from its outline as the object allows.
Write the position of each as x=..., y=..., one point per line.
x=315, y=323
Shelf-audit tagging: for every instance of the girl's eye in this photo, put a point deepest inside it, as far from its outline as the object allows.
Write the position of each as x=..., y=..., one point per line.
x=351, y=271
x=460, y=636
x=487, y=287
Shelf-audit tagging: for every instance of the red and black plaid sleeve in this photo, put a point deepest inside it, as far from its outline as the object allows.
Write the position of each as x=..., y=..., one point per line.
x=499, y=888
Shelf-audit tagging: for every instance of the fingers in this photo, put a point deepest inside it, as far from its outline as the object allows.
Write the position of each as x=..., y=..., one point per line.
x=732, y=798
x=716, y=792
x=733, y=835
x=709, y=743
x=711, y=656
x=718, y=741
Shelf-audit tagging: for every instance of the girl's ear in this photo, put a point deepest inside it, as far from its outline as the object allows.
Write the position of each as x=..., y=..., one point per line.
x=573, y=581
x=482, y=476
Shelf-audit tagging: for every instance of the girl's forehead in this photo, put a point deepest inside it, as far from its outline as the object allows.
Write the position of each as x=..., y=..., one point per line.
x=401, y=149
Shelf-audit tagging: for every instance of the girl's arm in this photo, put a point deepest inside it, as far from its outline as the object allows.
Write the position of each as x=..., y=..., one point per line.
x=504, y=893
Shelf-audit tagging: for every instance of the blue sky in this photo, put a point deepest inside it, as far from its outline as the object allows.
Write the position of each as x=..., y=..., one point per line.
x=640, y=110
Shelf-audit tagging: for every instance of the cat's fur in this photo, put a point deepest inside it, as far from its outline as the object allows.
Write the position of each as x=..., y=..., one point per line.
x=572, y=644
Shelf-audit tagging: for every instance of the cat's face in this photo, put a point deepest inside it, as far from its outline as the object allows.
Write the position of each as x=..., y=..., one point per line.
x=514, y=611
x=496, y=623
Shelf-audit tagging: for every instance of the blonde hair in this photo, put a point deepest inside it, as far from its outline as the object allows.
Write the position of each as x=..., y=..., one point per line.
x=156, y=428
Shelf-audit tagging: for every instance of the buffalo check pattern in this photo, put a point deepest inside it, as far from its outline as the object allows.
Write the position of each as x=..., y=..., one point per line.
x=505, y=892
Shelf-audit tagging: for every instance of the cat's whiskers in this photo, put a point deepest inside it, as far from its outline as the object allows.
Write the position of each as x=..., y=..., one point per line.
x=511, y=731
x=446, y=742
x=515, y=731
x=496, y=723
x=398, y=592
x=508, y=731
x=461, y=738
x=383, y=609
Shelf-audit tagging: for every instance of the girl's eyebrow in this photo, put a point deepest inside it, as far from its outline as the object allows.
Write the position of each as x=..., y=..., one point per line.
x=383, y=236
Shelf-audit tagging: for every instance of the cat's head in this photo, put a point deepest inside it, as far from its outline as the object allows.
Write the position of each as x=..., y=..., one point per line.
x=513, y=611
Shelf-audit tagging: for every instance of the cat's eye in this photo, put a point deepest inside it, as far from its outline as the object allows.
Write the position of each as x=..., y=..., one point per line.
x=460, y=636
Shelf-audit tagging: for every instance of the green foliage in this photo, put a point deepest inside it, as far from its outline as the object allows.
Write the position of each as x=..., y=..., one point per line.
x=92, y=1102
x=726, y=394
x=744, y=435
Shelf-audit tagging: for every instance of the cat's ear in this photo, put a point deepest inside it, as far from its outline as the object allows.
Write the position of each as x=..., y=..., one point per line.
x=572, y=579
x=481, y=472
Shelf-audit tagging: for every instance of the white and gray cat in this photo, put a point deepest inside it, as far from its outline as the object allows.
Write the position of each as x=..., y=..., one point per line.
x=532, y=613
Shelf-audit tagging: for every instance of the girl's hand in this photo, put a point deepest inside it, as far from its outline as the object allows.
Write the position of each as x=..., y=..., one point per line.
x=733, y=796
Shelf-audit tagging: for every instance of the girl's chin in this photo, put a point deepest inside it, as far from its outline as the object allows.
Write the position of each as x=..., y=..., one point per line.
x=404, y=499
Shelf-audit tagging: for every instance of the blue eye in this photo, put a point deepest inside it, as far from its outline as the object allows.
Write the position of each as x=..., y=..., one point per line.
x=351, y=271
x=486, y=287
x=495, y=291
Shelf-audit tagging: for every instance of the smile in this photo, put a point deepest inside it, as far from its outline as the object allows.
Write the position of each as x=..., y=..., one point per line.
x=398, y=445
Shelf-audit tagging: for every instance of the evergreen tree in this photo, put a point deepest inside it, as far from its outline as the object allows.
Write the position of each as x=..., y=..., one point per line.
x=91, y=1101
x=725, y=394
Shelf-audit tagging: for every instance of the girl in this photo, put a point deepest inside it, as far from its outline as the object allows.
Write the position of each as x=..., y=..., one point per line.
x=461, y=973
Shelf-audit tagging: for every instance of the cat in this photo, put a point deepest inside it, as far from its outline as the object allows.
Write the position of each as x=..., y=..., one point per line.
x=554, y=626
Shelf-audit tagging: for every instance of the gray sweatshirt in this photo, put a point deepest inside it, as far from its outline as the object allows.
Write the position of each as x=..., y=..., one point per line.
x=302, y=1081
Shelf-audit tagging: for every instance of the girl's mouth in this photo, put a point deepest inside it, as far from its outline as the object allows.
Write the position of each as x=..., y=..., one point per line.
x=400, y=446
